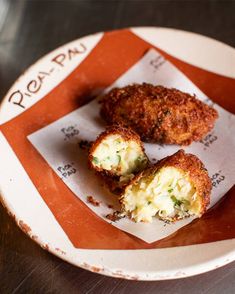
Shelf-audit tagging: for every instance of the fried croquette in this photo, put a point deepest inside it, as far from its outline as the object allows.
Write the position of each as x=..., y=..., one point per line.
x=118, y=154
x=159, y=114
x=176, y=187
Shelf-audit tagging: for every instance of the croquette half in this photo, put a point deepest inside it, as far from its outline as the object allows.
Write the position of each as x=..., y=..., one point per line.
x=176, y=187
x=159, y=114
x=119, y=153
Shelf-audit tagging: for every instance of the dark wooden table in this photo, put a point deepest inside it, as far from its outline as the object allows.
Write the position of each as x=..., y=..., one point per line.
x=30, y=29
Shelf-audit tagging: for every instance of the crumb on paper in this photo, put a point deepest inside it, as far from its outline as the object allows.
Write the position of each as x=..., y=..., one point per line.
x=110, y=206
x=167, y=222
x=84, y=144
x=115, y=216
x=93, y=201
x=154, y=159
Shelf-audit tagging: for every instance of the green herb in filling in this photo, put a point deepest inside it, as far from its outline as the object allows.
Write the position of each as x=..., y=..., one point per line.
x=139, y=161
x=95, y=160
x=176, y=201
x=119, y=158
x=186, y=202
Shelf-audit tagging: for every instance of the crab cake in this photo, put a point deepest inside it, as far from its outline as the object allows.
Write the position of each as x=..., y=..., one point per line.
x=159, y=114
x=176, y=187
x=119, y=153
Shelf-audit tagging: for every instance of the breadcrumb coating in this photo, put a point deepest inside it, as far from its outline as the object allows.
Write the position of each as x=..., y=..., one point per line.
x=159, y=114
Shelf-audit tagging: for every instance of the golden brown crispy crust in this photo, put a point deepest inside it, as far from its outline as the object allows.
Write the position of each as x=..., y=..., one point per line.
x=159, y=114
x=126, y=133
x=187, y=163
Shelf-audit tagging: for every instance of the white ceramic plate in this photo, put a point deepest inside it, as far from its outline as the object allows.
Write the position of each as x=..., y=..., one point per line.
x=26, y=182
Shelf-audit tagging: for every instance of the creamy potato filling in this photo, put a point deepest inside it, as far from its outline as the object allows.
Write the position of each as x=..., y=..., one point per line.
x=167, y=194
x=119, y=156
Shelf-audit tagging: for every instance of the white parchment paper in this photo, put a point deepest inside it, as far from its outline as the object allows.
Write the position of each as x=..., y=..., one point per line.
x=58, y=143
